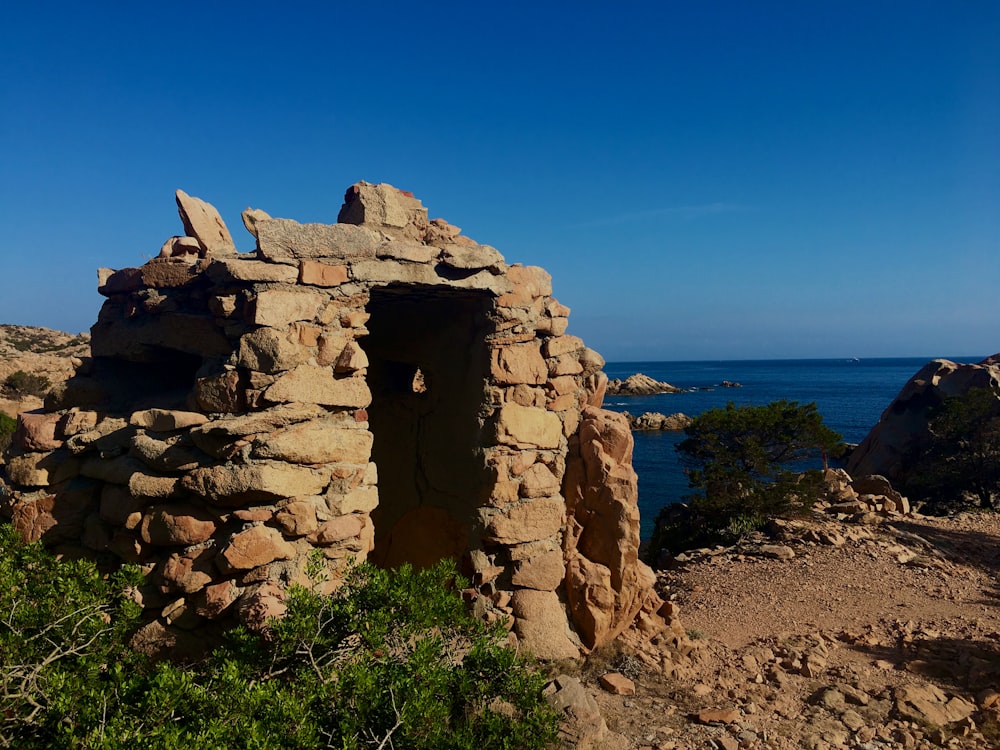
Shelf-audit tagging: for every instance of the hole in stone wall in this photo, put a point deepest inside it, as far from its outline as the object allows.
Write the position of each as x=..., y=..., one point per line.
x=427, y=370
x=165, y=383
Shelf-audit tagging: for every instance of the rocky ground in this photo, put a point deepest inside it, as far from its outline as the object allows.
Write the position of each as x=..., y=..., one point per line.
x=831, y=635
x=38, y=351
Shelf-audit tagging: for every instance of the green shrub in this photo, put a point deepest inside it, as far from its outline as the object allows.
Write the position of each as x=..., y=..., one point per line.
x=392, y=657
x=27, y=384
x=7, y=427
x=746, y=464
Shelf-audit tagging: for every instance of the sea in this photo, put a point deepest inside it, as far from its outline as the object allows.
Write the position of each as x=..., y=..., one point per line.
x=851, y=394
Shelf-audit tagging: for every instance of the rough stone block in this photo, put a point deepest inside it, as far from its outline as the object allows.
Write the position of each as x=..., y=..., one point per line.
x=269, y=350
x=317, y=385
x=177, y=524
x=541, y=625
x=279, y=307
x=36, y=431
x=527, y=522
x=544, y=572
x=242, y=484
x=316, y=442
x=203, y=222
x=231, y=270
x=166, y=420
x=284, y=240
x=258, y=545
x=527, y=426
x=518, y=363
x=321, y=274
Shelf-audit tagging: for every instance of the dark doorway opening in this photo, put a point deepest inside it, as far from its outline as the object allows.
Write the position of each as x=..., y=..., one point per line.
x=428, y=364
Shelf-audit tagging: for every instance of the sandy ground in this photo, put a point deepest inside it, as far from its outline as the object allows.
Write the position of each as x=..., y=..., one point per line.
x=861, y=636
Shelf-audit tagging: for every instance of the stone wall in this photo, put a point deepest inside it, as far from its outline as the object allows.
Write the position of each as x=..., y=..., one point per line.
x=381, y=388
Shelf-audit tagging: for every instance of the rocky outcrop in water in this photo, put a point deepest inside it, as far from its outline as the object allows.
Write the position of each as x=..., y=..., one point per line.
x=639, y=385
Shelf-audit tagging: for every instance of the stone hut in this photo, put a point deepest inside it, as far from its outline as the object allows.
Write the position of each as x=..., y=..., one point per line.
x=382, y=388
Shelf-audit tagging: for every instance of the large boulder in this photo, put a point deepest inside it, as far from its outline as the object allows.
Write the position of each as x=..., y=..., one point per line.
x=894, y=447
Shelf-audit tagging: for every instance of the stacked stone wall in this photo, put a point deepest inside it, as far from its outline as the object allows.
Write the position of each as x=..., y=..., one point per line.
x=220, y=434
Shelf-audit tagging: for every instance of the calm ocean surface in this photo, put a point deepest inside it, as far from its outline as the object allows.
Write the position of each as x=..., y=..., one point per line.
x=850, y=395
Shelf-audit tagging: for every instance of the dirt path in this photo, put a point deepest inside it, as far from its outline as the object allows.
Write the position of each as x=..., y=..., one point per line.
x=831, y=635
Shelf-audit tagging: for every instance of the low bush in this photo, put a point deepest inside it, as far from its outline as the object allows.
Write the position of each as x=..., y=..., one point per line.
x=747, y=466
x=27, y=384
x=7, y=427
x=392, y=659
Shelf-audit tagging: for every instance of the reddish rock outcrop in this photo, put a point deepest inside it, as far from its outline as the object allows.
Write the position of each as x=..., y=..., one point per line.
x=381, y=388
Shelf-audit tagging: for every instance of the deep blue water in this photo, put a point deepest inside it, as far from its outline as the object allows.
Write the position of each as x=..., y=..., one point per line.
x=850, y=395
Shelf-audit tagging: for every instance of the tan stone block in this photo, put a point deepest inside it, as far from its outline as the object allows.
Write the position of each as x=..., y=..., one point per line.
x=552, y=326
x=234, y=485
x=541, y=625
x=505, y=493
x=203, y=222
x=339, y=529
x=222, y=393
x=544, y=573
x=316, y=442
x=565, y=364
x=36, y=431
x=352, y=358
x=216, y=599
x=408, y=250
x=222, y=305
x=317, y=385
x=518, y=363
x=256, y=546
x=75, y=422
x=177, y=524
x=354, y=319
x=304, y=334
x=279, y=307
x=530, y=282
x=284, y=240
x=229, y=270
x=41, y=469
x=530, y=521
x=359, y=500
x=166, y=420
x=189, y=571
x=169, y=273
x=330, y=346
x=528, y=426
x=563, y=384
x=564, y=402
x=298, y=517
x=557, y=345
x=539, y=481
x=321, y=274
x=527, y=395
x=149, y=486
x=472, y=257
x=269, y=350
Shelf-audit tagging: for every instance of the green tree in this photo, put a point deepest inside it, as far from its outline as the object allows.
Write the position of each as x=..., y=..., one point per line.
x=961, y=461
x=747, y=465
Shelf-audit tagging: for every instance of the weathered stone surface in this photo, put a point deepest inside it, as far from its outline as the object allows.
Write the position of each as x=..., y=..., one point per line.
x=258, y=545
x=268, y=420
x=189, y=571
x=299, y=517
x=472, y=257
x=271, y=351
x=287, y=241
x=528, y=426
x=538, y=481
x=339, y=529
x=394, y=211
x=41, y=469
x=36, y=431
x=251, y=217
x=216, y=599
x=150, y=486
x=544, y=572
x=359, y=500
x=166, y=420
x=408, y=250
x=581, y=724
x=928, y=704
x=519, y=363
x=203, y=222
x=279, y=307
x=321, y=274
x=541, y=625
x=168, y=273
x=177, y=524
x=531, y=520
x=181, y=247
x=316, y=442
x=259, y=482
x=351, y=359
x=897, y=447
x=221, y=393
x=317, y=385
x=232, y=270
x=617, y=684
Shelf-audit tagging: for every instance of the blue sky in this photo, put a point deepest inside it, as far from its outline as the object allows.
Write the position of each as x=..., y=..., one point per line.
x=710, y=180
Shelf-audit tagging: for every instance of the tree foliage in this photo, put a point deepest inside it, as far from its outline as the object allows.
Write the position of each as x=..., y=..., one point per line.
x=391, y=659
x=960, y=465
x=747, y=465
x=23, y=383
